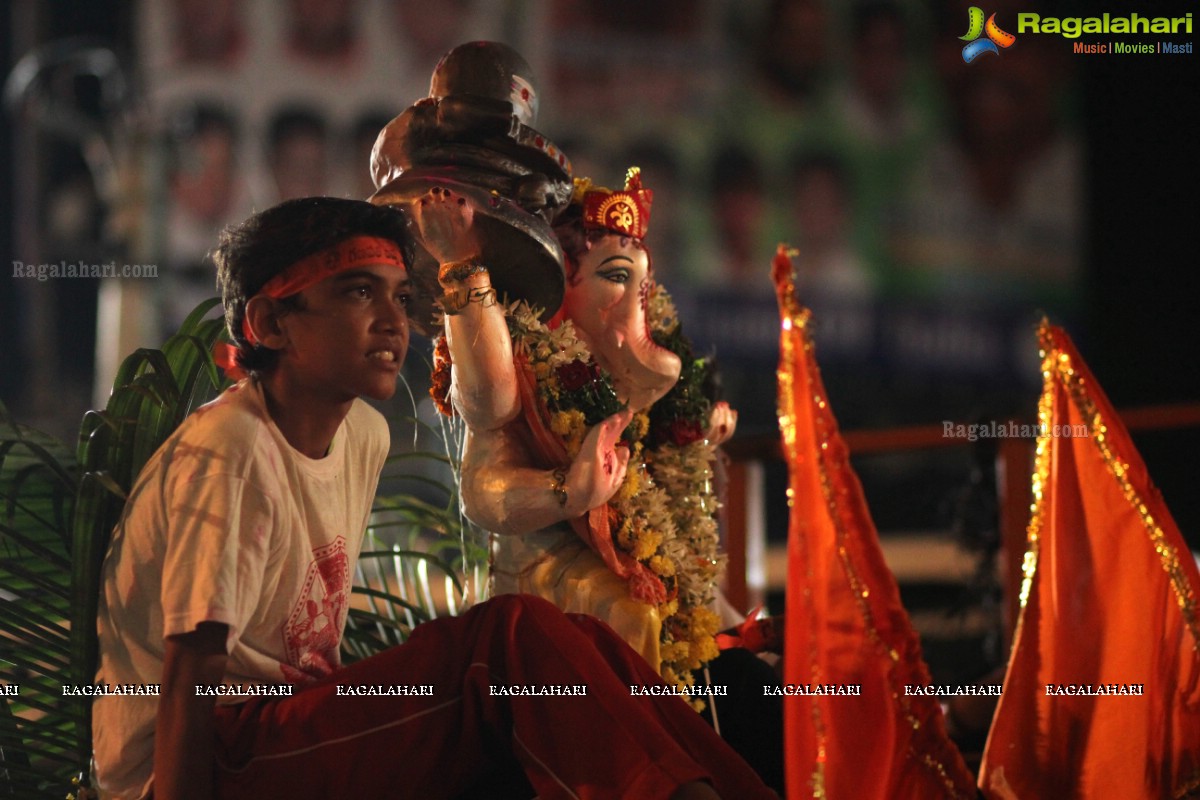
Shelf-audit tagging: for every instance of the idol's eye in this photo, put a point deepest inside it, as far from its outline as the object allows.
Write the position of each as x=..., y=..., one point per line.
x=615, y=274
x=404, y=299
x=360, y=290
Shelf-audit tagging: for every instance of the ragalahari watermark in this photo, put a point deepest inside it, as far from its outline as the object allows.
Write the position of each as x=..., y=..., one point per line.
x=82, y=269
x=1011, y=430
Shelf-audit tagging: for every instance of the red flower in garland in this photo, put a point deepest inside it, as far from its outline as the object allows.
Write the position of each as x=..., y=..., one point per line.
x=577, y=374
x=683, y=432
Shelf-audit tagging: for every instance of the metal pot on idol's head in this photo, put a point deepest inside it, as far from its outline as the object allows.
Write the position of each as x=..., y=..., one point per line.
x=473, y=136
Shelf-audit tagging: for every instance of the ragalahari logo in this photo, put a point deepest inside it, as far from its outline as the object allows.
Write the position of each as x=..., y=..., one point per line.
x=996, y=38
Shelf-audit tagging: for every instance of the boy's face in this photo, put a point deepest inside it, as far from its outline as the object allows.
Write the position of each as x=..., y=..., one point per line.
x=350, y=335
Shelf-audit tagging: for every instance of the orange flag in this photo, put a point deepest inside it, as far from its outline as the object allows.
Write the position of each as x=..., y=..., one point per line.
x=1108, y=608
x=852, y=730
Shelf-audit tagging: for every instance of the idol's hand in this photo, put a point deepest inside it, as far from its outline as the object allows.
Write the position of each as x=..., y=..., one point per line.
x=445, y=224
x=599, y=469
x=722, y=422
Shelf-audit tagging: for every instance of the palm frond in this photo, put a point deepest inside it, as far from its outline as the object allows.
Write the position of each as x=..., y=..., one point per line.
x=38, y=481
x=59, y=510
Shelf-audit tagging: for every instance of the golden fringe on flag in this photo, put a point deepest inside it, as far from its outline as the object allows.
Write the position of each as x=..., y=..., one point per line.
x=1102, y=695
x=845, y=627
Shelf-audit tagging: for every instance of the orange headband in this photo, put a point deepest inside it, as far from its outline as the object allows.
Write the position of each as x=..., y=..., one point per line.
x=357, y=251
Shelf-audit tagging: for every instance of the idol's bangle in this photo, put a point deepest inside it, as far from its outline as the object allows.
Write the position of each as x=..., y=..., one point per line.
x=560, y=487
x=458, y=271
x=455, y=300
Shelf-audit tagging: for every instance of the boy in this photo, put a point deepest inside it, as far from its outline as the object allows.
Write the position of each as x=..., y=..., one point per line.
x=230, y=571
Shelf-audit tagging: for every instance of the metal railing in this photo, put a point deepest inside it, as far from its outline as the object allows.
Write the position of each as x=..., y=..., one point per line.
x=742, y=514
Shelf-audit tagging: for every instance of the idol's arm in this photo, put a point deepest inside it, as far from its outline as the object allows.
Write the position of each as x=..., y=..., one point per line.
x=484, y=378
x=483, y=383
x=722, y=422
x=502, y=493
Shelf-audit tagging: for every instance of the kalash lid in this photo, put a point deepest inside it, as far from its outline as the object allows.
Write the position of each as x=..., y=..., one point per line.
x=488, y=69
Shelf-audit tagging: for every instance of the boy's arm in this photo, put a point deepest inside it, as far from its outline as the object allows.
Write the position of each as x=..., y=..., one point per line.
x=183, y=734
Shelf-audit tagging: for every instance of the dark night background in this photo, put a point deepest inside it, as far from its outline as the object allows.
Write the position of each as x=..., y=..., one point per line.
x=1140, y=132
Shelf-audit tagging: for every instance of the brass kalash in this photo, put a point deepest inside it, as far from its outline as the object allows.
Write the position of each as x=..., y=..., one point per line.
x=473, y=136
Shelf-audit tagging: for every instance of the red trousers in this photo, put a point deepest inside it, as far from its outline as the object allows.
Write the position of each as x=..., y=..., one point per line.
x=607, y=744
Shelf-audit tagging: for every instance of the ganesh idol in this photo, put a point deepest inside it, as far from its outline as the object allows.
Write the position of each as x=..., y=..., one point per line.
x=590, y=440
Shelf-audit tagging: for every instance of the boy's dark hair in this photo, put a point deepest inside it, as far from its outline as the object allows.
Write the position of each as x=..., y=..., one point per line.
x=250, y=254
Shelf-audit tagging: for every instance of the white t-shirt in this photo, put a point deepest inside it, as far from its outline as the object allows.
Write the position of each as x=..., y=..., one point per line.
x=228, y=523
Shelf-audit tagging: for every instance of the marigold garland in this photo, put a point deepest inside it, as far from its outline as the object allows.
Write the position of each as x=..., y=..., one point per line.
x=664, y=514
x=439, y=388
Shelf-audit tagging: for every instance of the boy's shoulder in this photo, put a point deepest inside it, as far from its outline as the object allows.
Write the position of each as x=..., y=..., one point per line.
x=222, y=433
x=237, y=424
x=233, y=435
x=235, y=417
x=367, y=427
x=366, y=439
